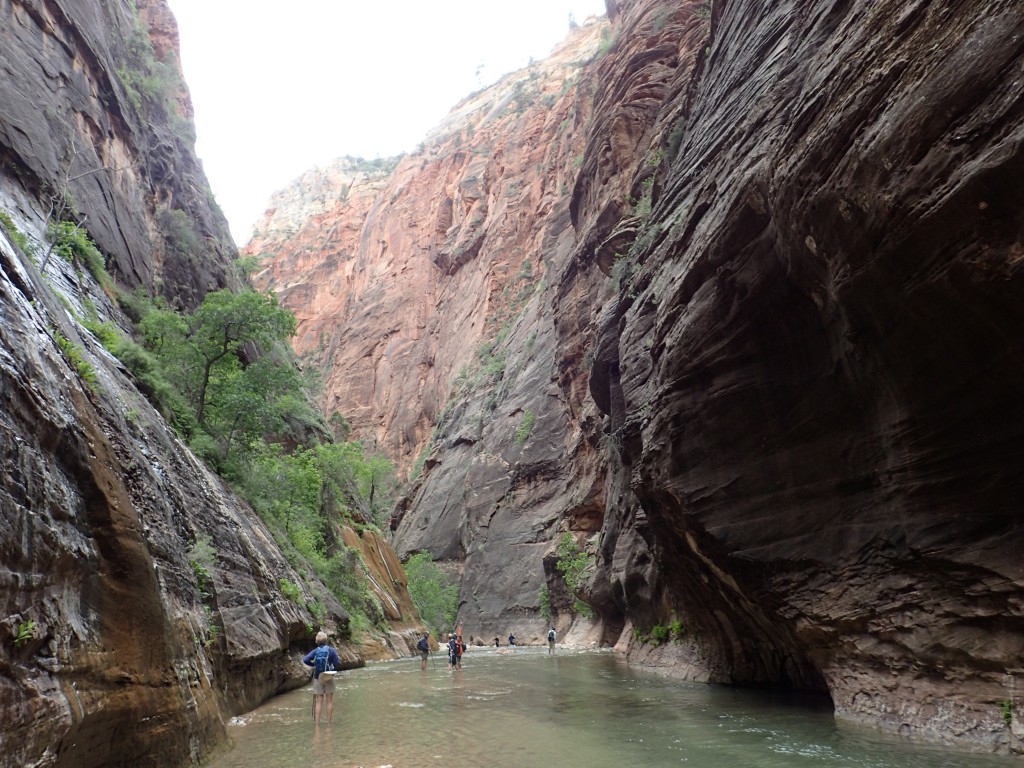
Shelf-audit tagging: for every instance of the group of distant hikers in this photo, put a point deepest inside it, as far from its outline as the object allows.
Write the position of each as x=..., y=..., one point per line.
x=325, y=662
x=457, y=646
x=551, y=640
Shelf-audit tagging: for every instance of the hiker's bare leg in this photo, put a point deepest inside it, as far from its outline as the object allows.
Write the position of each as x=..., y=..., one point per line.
x=330, y=706
x=319, y=698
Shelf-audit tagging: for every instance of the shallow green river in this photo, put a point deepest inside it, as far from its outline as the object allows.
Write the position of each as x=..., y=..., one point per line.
x=528, y=710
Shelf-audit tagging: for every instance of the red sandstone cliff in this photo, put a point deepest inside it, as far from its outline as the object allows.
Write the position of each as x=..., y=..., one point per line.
x=399, y=279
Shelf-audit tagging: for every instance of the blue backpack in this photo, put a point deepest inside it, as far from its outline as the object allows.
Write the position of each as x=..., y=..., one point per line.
x=320, y=660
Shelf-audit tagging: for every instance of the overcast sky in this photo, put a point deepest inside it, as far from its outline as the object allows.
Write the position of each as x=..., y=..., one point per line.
x=281, y=86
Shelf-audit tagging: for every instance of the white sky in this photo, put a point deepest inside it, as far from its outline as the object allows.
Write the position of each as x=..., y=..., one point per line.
x=279, y=87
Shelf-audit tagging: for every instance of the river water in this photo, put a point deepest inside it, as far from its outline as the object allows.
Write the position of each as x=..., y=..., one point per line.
x=528, y=710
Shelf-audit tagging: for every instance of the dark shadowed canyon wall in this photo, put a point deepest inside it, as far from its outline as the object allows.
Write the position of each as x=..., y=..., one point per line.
x=811, y=373
x=731, y=293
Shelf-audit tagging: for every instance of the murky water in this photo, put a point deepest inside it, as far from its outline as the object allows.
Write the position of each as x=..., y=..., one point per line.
x=528, y=710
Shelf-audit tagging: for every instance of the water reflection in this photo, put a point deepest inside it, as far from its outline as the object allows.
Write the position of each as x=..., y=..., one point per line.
x=528, y=710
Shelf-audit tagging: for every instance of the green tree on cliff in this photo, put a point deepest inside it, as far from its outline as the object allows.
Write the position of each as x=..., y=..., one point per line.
x=573, y=563
x=222, y=360
x=434, y=597
x=355, y=483
x=224, y=377
x=224, y=324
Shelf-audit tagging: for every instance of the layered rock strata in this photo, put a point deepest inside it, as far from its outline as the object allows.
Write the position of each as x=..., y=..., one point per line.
x=426, y=298
x=115, y=651
x=810, y=373
x=97, y=125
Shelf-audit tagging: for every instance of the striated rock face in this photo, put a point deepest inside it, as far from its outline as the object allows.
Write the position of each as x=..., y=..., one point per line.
x=105, y=625
x=771, y=361
x=114, y=649
x=388, y=583
x=95, y=114
x=811, y=375
x=310, y=231
x=426, y=297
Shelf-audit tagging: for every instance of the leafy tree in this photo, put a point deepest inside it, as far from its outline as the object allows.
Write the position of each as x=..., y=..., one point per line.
x=286, y=488
x=202, y=357
x=225, y=323
x=573, y=563
x=544, y=600
x=244, y=404
x=435, y=598
x=357, y=484
x=229, y=387
x=380, y=483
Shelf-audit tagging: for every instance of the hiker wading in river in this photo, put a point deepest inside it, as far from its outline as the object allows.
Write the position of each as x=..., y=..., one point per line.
x=424, y=648
x=323, y=659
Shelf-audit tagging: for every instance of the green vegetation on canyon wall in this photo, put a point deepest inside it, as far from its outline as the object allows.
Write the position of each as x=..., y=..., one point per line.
x=140, y=589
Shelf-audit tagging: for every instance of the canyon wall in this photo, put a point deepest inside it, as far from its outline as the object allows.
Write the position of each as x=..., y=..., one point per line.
x=426, y=297
x=115, y=648
x=96, y=117
x=728, y=292
x=811, y=372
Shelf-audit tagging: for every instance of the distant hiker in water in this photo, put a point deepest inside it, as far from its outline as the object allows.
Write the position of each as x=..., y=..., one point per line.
x=511, y=639
x=495, y=642
x=455, y=649
x=453, y=655
x=322, y=659
x=424, y=648
x=551, y=641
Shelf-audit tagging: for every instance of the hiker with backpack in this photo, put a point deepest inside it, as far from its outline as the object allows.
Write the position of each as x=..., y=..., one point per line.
x=453, y=643
x=455, y=649
x=424, y=648
x=323, y=659
x=551, y=641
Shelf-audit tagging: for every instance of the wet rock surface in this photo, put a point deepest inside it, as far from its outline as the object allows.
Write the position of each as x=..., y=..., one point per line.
x=107, y=627
x=774, y=363
x=811, y=377
x=83, y=125
x=114, y=650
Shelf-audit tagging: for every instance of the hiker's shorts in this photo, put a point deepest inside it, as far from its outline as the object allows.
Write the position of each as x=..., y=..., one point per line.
x=322, y=685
